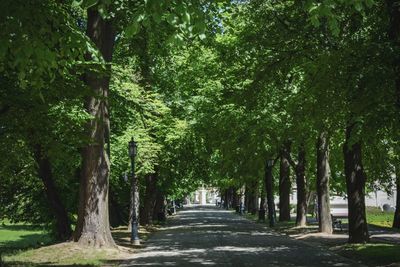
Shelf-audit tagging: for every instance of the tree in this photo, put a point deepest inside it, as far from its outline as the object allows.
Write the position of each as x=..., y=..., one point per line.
x=355, y=181
x=323, y=176
x=284, y=184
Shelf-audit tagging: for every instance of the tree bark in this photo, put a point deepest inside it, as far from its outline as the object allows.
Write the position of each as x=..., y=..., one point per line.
x=284, y=184
x=235, y=199
x=311, y=199
x=117, y=213
x=261, y=212
x=301, y=214
x=269, y=189
x=253, y=198
x=44, y=169
x=93, y=227
x=396, y=219
x=247, y=198
x=159, y=207
x=355, y=183
x=323, y=176
x=255, y=201
x=231, y=193
x=149, y=199
x=226, y=199
x=394, y=36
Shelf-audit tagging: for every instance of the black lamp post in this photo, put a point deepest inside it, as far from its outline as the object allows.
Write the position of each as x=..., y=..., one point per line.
x=134, y=234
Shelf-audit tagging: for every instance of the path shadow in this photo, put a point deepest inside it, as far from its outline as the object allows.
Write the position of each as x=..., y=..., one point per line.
x=210, y=236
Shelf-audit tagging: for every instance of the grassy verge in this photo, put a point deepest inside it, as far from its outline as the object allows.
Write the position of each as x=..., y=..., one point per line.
x=25, y=245
x=371, y=254
x=288, y=227
x=65, y=254
x=379, y=218
x=15, y=237
x=375, y=217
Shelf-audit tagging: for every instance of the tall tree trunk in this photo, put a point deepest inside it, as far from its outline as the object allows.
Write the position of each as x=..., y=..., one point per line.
x=231, y=196
x=301, y=214
x=252, y=196
x=149, y=199
x=226, y=199
x=159, y=207
x=394, y=35
x=269, y=189
x=323, y=176
x=284, y=184
x=117, y=213
x=44, y=169
x=396, y=219
x=246, y=197
x=262, y=208
x=355, y=182
x=255, y=201
x=311, y=199
x=235, y=199
x=93, y=228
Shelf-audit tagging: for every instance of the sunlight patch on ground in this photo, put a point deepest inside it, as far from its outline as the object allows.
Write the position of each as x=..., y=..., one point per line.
x=250, y=249
x=191, y=225
x=159, y=252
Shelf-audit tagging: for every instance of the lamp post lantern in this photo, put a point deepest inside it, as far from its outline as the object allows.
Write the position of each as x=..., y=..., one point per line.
x=134, y=222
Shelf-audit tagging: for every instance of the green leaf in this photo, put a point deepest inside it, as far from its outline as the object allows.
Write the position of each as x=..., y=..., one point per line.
x=89, y=3
x=132, y=29
x=76, y=3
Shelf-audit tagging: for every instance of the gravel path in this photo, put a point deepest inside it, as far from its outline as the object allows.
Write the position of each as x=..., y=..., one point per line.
x=209, y=236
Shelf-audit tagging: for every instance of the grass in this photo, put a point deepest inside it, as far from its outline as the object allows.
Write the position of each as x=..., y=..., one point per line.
x=379, y=218
x=14, y=237
x=27, y=245
x=65, y=254
x=375, y=216
x=372, y=254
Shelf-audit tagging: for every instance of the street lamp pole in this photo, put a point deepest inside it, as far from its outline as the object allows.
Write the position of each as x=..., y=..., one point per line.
x=134, y=222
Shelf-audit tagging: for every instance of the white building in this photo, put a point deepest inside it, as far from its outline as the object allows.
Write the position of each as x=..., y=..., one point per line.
x=203, y=196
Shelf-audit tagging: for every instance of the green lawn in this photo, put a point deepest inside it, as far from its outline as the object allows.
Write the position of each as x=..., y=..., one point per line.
x=379, y=218
x=15, y=237
x=26, y=245
x=372, y=254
